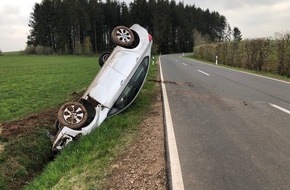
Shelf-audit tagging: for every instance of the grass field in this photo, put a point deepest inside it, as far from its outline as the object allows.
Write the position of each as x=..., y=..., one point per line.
x=31, y=83
x=36, y=83
x=28, y=85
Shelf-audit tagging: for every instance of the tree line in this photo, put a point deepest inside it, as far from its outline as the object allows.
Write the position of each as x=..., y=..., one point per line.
x=84, y=26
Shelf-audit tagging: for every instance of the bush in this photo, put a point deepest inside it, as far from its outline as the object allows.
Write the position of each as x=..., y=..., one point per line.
x=78, y=49
x=155, y=48
x=42, y=50
x=257, y=53
x=1, y=52
x=283, y=53
x=251, y=54
x=87, y=46
x=30, y=49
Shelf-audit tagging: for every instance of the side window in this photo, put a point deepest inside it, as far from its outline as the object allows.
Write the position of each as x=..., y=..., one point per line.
x=132, y=88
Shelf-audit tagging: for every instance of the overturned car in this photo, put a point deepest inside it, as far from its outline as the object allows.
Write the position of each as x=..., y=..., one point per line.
x=114, y=88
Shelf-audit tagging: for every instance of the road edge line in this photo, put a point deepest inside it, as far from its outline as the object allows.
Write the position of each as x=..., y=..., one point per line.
x=174, y=164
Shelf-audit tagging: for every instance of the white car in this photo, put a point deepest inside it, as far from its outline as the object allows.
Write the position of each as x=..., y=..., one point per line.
x=114, y=88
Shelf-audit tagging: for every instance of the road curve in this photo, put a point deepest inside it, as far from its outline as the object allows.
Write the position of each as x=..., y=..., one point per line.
x=232, y=129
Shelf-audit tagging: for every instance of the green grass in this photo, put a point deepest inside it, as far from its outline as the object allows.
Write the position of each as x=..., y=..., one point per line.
x=82, y=164
x=23, y=157
x=52, y=80
x=31, y=83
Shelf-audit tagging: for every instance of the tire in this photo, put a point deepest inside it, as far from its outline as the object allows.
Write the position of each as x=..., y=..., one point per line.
x=122, y=36
x=73, y=115
x=103, y=58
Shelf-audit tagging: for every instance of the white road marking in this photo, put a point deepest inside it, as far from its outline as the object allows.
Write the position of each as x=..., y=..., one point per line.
x=175, y=170
x=280, y=108
x=184, y=64
x=203, y=72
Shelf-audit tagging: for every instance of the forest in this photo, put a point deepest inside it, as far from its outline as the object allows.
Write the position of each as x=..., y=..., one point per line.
x=84, y=26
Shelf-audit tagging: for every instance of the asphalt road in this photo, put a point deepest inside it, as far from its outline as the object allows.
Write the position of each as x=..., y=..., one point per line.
x=232, y=129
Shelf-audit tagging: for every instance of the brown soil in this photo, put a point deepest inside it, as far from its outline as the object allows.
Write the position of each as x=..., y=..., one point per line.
x=26, y=125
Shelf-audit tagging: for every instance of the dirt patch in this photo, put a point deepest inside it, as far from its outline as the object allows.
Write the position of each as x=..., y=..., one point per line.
x=1, y=148
x=27, y=124
x=1, y=145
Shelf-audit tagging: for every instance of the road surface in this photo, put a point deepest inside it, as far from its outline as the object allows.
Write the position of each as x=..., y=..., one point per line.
x=232, y=129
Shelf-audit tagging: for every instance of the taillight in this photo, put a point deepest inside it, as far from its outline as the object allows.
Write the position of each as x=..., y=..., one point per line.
x=150, y=37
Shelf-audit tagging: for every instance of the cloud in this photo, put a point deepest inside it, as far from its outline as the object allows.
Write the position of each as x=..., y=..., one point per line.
x=259, y=18
x=14, y=17
x=255, y=18
x=228, y=4
x=13, y=38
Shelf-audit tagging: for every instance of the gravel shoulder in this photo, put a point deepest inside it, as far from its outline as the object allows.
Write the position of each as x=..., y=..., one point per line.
x=143, y=164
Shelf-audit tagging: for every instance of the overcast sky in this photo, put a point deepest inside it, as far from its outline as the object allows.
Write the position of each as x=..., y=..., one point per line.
x=254, y=18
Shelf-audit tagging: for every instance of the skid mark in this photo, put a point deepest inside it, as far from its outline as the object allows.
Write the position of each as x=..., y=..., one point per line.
x=189, y=84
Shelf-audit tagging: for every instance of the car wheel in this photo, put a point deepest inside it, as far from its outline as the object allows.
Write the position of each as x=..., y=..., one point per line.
x=73, y=115
x=103, y=58
x=122, y=36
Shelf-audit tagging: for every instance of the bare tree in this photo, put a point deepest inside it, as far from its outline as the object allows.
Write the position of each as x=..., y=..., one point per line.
x=228, y=33
x=199, y=39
